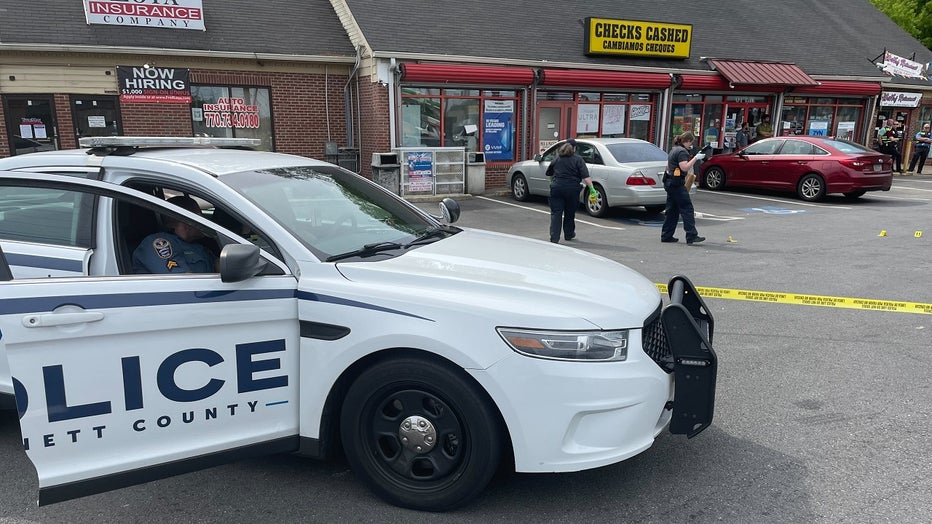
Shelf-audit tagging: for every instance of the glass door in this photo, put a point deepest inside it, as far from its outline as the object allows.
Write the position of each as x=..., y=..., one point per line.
x=95, y=116
x=554, y=123
x=30, y=122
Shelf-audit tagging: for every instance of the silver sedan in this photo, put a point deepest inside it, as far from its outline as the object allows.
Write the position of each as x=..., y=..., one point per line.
x=625, y=172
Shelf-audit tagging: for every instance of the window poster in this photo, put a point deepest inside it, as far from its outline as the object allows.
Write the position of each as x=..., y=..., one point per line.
x=498, y=130
x=587, y=119
x=613, y=119
x=818, y=128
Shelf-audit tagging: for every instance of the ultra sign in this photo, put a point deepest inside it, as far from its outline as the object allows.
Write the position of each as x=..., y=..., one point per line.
x=605, y=36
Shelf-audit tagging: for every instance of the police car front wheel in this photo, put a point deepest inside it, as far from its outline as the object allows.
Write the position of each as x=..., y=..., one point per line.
x=420, y=434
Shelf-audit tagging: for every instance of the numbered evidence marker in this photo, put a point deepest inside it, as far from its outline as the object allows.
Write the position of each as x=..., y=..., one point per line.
x=918, y=234
x=883, y=233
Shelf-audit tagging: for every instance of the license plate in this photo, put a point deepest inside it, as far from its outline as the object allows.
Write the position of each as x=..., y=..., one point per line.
x=878, y=167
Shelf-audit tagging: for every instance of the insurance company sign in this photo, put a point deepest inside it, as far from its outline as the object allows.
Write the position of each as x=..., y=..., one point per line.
x=169, y=14
x=606, y=36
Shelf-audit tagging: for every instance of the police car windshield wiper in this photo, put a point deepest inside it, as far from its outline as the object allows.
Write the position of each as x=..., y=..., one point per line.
x=434, y=232
x=366, y=250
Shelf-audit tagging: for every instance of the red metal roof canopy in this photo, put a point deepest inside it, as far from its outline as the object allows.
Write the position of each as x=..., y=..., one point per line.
x=466, y=74
x=615, y=79
x=740, y=72
x=718, y=83
x=839, y=87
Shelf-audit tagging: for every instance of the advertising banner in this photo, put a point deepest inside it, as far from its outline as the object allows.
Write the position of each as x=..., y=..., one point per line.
x=420, y=171
x=154, y=84
x=899, y=66
x=168, y=14
x=498, y=130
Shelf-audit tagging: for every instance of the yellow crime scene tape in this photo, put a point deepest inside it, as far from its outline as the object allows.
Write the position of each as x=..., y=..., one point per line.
x=811, y=300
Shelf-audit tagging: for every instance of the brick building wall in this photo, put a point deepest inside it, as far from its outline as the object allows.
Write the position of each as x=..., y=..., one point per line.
x=373, y=121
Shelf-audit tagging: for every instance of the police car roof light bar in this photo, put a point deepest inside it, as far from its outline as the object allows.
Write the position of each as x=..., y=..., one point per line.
x=165, y=141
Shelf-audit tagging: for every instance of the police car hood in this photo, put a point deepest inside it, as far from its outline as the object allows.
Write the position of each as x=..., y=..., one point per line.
x=518, y=280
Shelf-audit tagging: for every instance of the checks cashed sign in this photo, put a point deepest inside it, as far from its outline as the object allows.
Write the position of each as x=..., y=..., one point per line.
x=169, y=14
x=154, y=84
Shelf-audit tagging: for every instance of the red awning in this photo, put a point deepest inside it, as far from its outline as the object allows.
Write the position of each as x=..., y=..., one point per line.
x=739, y=72
x=718, y=83
x=838, y=87
x=466, y=74
x=610, y=79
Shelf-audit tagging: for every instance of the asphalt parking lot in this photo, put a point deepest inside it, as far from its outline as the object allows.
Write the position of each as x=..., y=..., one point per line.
x=822, y=411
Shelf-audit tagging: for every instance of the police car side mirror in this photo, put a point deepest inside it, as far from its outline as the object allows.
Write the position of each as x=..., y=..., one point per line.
x=239, y=262
x=449, y=210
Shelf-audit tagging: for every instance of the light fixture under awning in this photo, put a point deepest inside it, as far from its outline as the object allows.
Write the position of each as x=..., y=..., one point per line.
x=742, y=72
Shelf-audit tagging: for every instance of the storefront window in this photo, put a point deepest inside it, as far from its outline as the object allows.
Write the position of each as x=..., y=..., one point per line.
x=95, y=116
x=822, y=117
x=925, y=115
x=233, y=112
x=476, y=121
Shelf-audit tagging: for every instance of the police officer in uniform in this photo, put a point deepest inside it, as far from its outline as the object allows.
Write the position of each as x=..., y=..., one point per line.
x=177, y=251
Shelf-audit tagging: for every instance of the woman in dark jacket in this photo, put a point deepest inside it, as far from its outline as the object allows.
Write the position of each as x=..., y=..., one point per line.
x=678, y=201
x=567, y=170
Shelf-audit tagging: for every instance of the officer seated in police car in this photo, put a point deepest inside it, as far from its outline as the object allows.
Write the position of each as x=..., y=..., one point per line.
x=177, y=251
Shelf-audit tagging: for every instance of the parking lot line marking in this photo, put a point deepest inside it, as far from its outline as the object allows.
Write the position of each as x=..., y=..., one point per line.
x=793, y=202
x=895, y=306
x=615, y=228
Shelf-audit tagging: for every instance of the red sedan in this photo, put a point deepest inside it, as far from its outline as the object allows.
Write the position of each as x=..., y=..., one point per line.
x=810, y=166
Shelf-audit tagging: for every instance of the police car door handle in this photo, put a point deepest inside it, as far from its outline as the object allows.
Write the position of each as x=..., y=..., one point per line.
x=61, y=319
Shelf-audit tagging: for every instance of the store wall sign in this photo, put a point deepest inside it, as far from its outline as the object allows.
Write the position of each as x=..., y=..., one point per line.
x=154, y=84
x=169, y=14
x=899, y=99
x=606, y=36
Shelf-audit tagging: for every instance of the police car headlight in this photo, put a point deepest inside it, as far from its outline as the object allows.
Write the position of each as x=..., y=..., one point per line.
x=588, y=346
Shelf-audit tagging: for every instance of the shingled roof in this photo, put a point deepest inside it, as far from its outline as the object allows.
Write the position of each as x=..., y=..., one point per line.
x=305, y=27
x=824, y=37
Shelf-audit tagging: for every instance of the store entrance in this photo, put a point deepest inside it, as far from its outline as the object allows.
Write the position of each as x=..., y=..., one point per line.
x=30, y=123
x=737, y=112
x=554, y=123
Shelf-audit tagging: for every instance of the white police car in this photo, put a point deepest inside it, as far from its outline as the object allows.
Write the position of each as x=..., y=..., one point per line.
x=339, y=316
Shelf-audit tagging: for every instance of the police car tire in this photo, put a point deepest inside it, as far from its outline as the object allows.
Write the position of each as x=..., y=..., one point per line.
x=468, y=444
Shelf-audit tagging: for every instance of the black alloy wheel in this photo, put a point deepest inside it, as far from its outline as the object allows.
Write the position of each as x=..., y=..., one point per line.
x=420, y=434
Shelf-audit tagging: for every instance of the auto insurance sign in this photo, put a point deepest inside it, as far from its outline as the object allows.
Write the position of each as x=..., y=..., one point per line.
x=169, y=14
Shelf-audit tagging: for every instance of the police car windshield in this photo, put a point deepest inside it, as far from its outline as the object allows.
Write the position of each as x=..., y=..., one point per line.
x=331, y=210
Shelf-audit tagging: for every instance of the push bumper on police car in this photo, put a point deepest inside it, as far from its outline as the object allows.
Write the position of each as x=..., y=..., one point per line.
x=687, y=328
x=586, y=415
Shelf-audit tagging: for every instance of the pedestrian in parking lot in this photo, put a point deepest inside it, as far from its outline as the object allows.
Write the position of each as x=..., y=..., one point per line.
x=674, y=182
x=923, y=141
x=567, y=171
x=889, y=144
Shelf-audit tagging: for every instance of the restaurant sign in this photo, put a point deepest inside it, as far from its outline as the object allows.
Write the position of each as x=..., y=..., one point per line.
x=900, y=99
x=168, y=14
x=606, y=36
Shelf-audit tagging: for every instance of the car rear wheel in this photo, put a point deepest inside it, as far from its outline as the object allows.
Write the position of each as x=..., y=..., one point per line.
x=714, y=179
x=420, y=434
x=854, y=195
x=519, y=189
x=599, y=208
x=811, y=188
